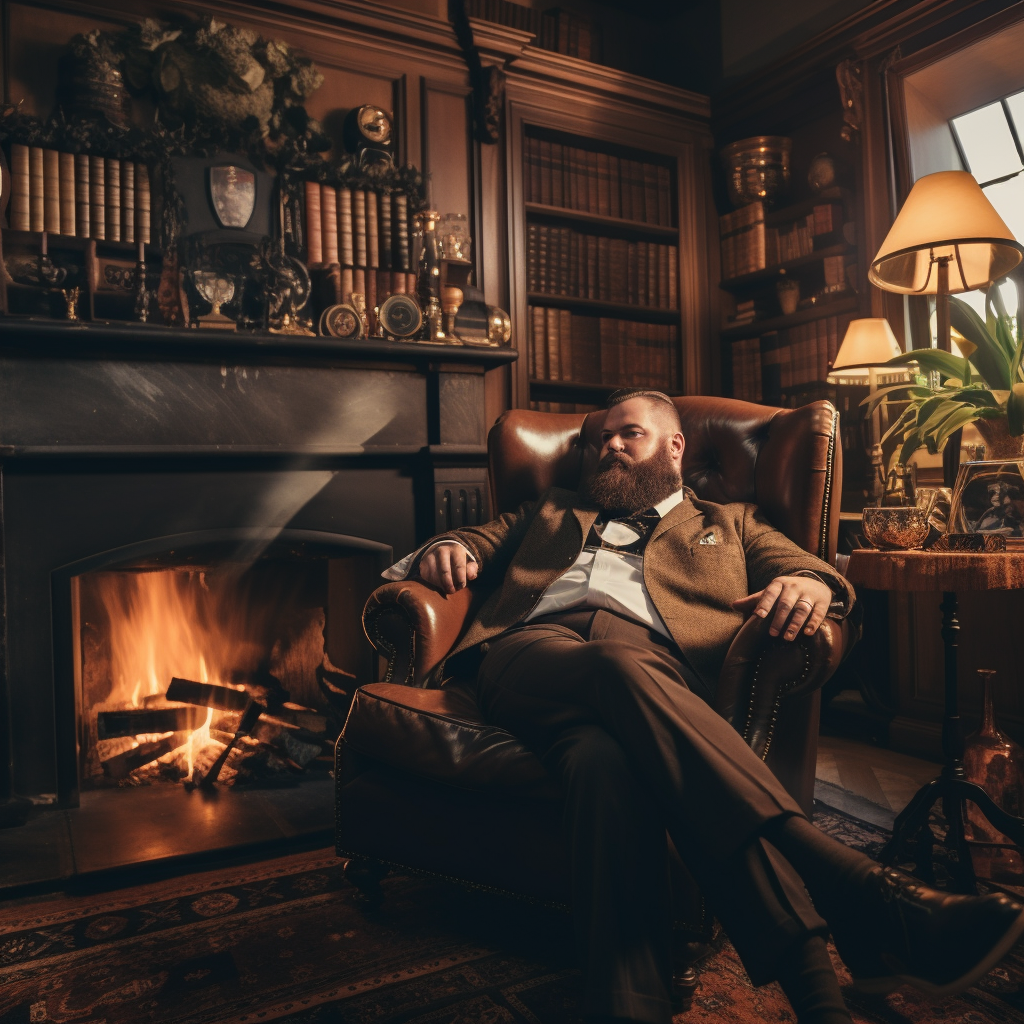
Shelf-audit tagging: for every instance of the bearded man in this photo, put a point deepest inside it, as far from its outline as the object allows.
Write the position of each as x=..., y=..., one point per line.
x=600, y=647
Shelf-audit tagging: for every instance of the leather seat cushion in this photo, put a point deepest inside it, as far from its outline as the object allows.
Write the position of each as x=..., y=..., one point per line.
x=441, y=735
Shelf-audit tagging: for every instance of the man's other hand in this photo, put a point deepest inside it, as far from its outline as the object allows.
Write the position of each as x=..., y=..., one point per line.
x=797, y=601
x=448, y=567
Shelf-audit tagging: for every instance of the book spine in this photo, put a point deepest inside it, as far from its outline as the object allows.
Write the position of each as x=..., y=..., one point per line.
x=538, y=344
x=82, y=195
x=664, y=197
x=557, y=174
x=329, y=224
x=565, y=348
x=314, y=227
x=545, y=172
x=346, y=236
x=143, y=205
x=359, y=226
x=386, y=256
x=372, y=231
x=402, y=230
x=614, y=187
x=347, y=283
x=36, y=182
x=673, y=277
x=98, y=197
x=20, y=215
x=113, y=200
x=532, y=254
x=604, y=189
x=127, y=201
x=68, y=219
x=593, y=203
x=554, y=366
x=51, y=191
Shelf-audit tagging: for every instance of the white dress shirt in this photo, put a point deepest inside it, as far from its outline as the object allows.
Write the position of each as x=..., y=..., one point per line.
x=599, y=578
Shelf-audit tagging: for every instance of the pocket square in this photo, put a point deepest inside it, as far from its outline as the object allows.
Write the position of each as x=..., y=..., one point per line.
x=709, y=538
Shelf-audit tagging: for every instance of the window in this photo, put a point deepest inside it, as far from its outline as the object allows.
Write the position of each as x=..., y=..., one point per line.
x=989, y=141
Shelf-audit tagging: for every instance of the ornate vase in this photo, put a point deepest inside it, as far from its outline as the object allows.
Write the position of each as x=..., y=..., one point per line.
x=996, y=763
x=999, y=444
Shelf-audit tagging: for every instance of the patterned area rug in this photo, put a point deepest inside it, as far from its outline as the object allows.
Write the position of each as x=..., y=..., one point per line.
x=283, y=941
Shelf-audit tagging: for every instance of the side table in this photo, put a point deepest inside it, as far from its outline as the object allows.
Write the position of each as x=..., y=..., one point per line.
x=948, y=572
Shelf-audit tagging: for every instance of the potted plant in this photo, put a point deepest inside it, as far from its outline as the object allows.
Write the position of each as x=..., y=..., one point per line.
x=984, y=386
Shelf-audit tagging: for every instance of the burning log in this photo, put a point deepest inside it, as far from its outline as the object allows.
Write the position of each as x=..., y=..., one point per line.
x=208, y=695
x=249, y=718
x=120, y=766
x=137, y=721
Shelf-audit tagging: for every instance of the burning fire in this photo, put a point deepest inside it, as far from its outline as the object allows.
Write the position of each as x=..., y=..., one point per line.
x=155, y=626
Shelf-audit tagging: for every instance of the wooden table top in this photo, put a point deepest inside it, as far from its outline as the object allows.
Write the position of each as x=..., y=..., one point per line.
x=938, y=570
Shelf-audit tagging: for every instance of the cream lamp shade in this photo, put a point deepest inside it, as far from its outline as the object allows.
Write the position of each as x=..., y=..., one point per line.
x=945, y=215
x=867, y=345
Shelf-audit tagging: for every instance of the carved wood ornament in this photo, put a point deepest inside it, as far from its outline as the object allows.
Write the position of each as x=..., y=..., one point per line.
x=850, y=76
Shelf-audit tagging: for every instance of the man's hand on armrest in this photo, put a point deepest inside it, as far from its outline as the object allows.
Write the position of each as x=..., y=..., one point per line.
x=448, y=566
x=798, y=601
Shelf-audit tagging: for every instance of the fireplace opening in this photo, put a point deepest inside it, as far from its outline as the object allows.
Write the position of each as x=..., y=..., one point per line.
x=219, y=665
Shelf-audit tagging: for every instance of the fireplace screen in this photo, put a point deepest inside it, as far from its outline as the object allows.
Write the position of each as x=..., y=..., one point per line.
x=217, y=674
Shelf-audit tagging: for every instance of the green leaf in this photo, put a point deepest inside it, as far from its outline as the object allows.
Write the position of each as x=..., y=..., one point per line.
x=953, y=423
x=911, y=443
x=946, y=363
x=1015, y=410
x=880, y=396
x=990, y=358
x=908, y=415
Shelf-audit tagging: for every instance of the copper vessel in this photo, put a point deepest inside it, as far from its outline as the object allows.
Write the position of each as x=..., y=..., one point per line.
x=996, y=763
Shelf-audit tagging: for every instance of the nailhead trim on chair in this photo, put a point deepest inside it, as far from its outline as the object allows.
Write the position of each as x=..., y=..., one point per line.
x=826, y=505
x=378, y=641
x=783, y=690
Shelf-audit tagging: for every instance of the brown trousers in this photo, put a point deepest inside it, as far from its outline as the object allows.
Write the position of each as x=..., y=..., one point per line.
x=609, y=707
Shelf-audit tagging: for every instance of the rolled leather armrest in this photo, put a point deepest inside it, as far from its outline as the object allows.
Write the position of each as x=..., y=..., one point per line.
x=762, y=671
x=414, y=627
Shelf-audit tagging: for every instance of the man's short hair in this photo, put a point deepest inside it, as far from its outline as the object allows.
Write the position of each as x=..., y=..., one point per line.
x=658, y=398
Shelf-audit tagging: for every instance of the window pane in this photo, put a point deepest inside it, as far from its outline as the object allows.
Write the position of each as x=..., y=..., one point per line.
x=987, y=143
x=1015, y=104
x=1008, y=199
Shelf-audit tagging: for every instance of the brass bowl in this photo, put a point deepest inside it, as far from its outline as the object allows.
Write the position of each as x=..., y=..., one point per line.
x=758, y=169
x=896, y=528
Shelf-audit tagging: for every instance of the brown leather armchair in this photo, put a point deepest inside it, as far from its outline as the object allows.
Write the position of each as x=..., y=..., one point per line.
x=424, y=783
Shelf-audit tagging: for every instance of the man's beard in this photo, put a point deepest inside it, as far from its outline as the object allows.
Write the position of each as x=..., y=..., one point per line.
x=621, y=484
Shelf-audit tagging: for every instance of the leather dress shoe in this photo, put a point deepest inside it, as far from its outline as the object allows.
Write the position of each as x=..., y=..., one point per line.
x=903, y=932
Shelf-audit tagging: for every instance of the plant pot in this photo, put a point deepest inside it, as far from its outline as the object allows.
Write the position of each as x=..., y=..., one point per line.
x=999, y=444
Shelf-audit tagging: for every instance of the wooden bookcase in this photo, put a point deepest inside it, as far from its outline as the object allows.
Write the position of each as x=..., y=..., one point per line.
x=769, y=355
x=609, y=237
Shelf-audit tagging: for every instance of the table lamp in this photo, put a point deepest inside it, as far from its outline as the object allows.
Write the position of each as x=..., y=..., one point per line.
x=948, y=238
x=867, y=346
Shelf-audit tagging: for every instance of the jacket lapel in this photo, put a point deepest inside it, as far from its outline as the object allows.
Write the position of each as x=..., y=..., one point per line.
x=586, y=518
x=684, y=512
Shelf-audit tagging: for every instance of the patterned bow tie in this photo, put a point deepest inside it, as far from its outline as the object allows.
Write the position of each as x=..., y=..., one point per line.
x=642, y=523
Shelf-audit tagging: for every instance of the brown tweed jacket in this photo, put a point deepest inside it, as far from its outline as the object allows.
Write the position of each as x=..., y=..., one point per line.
x=691, y=583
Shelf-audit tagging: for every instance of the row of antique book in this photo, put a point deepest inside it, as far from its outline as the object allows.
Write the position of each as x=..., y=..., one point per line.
x=570, y=407
x=559, y=30
x=780, y=360
x=560, y=261
x=357, y=228
x=78, y=194
x=748, y=245
x=600, y=350
x=597, y=183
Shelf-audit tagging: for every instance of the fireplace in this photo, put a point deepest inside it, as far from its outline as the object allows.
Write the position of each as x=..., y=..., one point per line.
x=214, y=511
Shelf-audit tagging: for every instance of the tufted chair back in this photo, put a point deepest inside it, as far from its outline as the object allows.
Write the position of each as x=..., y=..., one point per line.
x=785, y=461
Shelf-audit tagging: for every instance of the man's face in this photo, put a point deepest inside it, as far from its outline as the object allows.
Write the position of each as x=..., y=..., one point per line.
x=641, y=458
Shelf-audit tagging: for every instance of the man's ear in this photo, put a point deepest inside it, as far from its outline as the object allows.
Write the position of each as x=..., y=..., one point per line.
x=677, y=444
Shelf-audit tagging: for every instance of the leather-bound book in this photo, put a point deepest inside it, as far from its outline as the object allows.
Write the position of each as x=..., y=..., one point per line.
x=643, y=279
x=650, y=182
x=143, y=205
x=401, y=227
x=359, y=226
x=604, y=185
x=346, y=244
x=20, y=215
x=410, y=283
x=36, y=189
x=98, y=197
x=67, y=192
x=371, y=295
x=663, y=278
x=564, y=244
x=593, y=176
x=347, y=284
x=127, y=201
x=565, y=321
x=329, y=224
x=113, y=209
x=614, y=187
x=664, y=196
x=557, y=175
x=543, y=259
x=604, y=270
x=538, y=344
x=359, y=281
x=398, y=282
x=593, y=275
x=673, y=277
x=386, y=247
x=532, y=255
x=82, y=195
x=632, y=275
x=51, y=191
x=314, y=228
x=372, y=233
x=546, y=174
x=553, y=335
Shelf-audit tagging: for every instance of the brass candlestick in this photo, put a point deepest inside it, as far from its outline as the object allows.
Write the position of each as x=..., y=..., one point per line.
x=451, y=299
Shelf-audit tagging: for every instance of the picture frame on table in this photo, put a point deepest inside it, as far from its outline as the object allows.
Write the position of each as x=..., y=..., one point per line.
x=988, y=499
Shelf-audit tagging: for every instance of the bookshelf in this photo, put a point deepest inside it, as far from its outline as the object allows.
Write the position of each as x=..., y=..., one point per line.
x=768, y=354
x=602, y=269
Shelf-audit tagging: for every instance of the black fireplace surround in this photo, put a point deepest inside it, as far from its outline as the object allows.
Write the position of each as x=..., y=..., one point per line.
x=123, y=444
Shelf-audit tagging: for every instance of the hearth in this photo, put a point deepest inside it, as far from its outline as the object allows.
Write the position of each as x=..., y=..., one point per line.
x=214, y=510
